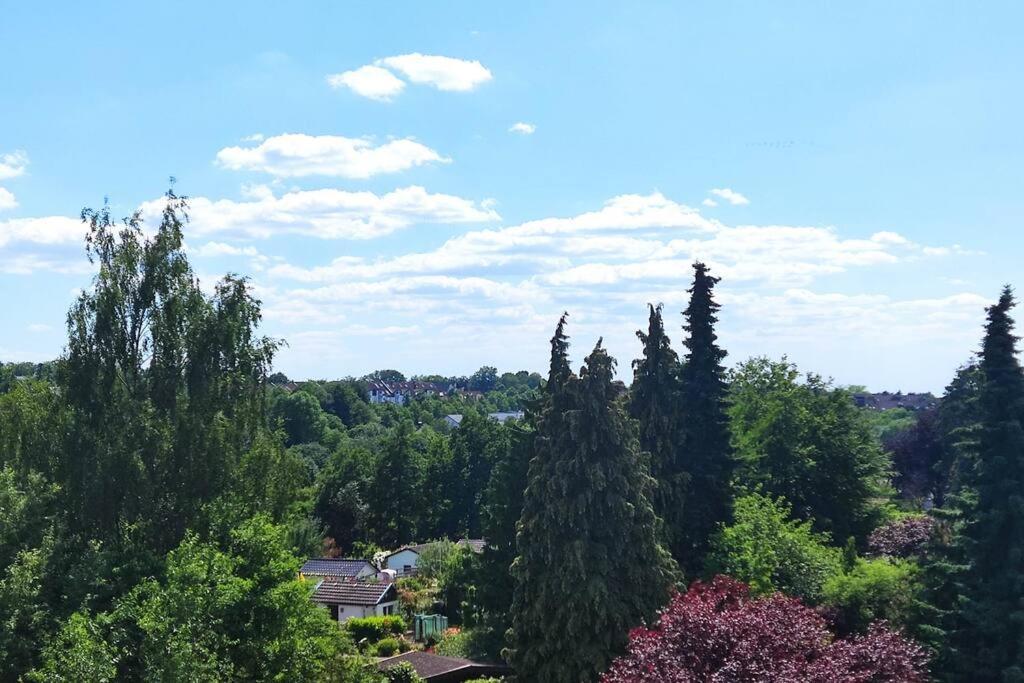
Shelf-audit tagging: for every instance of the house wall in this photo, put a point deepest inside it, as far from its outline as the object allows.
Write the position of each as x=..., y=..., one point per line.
x=402, y=559
x=346, y=612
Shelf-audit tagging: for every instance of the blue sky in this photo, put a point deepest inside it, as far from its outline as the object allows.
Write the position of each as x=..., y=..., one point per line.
x=362, y=163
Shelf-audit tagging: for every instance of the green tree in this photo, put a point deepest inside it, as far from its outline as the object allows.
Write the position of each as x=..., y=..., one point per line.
x=654, y=402
x=704, y=426
x=990, y=640
x=394, y=485
x=872, y=590
x=767, y=549
x=807, y=442
x=589, y=567
x=164, y=385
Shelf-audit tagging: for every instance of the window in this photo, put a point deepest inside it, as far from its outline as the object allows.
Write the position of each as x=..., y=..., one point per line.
x=407, y=569
x=389, y=610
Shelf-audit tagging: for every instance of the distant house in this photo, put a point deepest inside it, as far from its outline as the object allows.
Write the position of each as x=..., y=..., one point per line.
x=348, y=598
x=404, y=561
x=399, y=393
x=889, y=401
x=455, y=419
x=437, y=669
x=339, y=568
x=383, y=392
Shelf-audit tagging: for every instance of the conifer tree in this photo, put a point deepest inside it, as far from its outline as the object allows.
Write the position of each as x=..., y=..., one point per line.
x=654, y=402
x=991, y=638
x=589, y=567
x=705, y=428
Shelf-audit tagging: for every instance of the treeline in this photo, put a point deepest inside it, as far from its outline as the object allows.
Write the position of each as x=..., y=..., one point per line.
x=157, y=494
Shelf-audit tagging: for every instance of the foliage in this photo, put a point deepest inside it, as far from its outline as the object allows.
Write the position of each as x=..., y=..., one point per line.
x=589, y=565
x=771, y=552
x=988, y=641
x=464, y=643
x=870, y=591
x=716, y=631
x=374, y=629
x=917, y=453
x=78, y=653
x=402, y=673
x=385, y=647
x=904, y=537
x=807, y=442
x=654, y=402
x=705, y=425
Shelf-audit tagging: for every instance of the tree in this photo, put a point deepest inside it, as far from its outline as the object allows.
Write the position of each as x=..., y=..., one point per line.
x=916, y=457
x=990, y=640
x=485, y=379
x=164, y=385
x=476, y=444
x=394, y=484
x=589, y=566
x=809, y=443
x=654, y=402
x=705, y=425
x=716, y=631
x=770, y=551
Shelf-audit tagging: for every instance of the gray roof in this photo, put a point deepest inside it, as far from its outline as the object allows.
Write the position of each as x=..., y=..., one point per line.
x=431, y=667
x=334, y=566
x=332, y=591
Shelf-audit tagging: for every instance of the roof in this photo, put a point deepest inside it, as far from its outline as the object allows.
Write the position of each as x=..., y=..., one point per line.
x=440, y=669
x=456, y=418
x=334, y=566
x=350, y=592
x=475, y=544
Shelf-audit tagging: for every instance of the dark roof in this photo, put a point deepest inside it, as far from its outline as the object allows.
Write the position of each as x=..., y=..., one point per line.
x=334, y=566
x=476, y=544
x=350, y=592
x=438, y=669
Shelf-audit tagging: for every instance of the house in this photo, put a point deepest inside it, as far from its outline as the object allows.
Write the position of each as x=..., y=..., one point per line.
x=339, y=568
x=382, y=392
x=455, y=419
x=348, y=598
x=437, y=669
x=888, y=401
x=404, y=560
x=399, y=393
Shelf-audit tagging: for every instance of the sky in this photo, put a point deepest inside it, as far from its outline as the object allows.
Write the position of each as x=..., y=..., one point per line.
x=427, y=186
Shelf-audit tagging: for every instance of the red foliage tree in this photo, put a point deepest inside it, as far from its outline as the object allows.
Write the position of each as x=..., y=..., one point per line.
x=717, y=632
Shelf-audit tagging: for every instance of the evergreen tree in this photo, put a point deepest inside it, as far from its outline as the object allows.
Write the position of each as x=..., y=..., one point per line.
x=589, y=567
x=705, y=425
x=654, y=402
x=990, y=639
x=394, y=485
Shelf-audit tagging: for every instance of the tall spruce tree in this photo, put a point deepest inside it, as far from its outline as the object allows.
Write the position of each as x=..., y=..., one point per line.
x=991, y=638
x=704, y=428
x=589, y=567
x=654, y=402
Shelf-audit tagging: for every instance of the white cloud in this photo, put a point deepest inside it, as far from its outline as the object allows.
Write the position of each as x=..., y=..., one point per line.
x=49, y=230
x=37, y=328
x=369, y=81
x=523, y=128
x=326, y=214
x=13, y=164
x=296, y=155
x=444, y=73
x=731, y=196
x=255, y=137
x=213, y=249
x=709, y=202
x=7, y=199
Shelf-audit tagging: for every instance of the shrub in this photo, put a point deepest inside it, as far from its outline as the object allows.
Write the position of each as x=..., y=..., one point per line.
x=902, y=538
x=374, y=628
x=769, y=551
x=870, y=591
x=386, y=647
x=717, y=631
x=402, y=673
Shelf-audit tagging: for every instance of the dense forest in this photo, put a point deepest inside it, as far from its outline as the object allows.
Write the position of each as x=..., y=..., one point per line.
x=161, y=486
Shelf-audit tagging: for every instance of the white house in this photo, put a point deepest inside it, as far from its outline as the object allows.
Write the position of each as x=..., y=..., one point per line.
x=404, y=560
x=347, y=598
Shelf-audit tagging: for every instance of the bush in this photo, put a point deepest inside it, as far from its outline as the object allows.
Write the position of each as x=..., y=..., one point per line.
x=465, y=643
x=769, y=551
x=386, y=647
x=902, y=538
x=870, y=591
x=402, y=673
x=716, y=631
x=374, y=629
